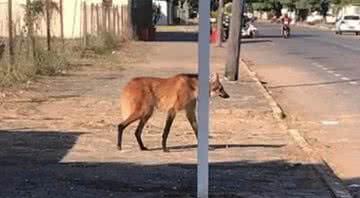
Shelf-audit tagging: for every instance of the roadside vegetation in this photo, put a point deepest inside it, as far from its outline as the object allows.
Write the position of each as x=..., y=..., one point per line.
x=32, y=55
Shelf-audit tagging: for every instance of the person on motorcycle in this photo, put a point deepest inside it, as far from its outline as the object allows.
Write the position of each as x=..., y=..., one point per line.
x=285, y=21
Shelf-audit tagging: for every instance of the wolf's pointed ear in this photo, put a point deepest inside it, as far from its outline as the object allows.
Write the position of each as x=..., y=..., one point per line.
x=214, y=77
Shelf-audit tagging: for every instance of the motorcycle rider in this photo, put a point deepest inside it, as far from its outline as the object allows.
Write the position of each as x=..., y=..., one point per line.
x=285, y=20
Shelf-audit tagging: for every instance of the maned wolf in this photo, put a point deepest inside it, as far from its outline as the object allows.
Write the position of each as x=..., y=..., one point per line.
x=142, y=95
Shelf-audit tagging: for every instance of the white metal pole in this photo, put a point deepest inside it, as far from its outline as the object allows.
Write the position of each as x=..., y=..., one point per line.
x=203, y=108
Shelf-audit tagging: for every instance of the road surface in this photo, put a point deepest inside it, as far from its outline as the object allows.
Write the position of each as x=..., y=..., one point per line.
x=315, y=76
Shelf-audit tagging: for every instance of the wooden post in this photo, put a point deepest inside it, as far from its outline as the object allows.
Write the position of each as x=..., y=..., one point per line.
x=62, y=24
x=126, y=21
x=103, y=25
x=122, y=21
x=30, y=26
x=108, y=10
x=114, y=21
x=97, y=19
x=85, y=24
x=118, y=21
x=233, y=49
x=14, y=30
x=129, y=20
x=92, y=25
x=219, y=23
x=48, y=28
x=11, y=35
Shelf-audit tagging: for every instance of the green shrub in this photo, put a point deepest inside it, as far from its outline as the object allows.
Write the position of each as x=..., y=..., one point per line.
x=49, y=63
x=103, y=44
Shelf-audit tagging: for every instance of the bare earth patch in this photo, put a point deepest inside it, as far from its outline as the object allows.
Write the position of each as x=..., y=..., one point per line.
x=58, y=137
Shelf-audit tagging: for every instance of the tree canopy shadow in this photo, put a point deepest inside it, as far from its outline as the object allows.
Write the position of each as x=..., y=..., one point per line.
x=193, y=37
x=31, y=166
x=219, y=146
x=176, y=36
x=34, y=147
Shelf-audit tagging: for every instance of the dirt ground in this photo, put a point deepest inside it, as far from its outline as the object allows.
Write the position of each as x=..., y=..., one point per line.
x=58, y=136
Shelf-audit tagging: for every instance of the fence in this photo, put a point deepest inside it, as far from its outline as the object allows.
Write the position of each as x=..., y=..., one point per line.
x=98, y=19
x=75, y=14
x=59, y=20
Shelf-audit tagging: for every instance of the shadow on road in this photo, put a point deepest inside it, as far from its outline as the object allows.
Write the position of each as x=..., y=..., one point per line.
x=193, y=37
x=176, y=37
x=354, y=186
x=30, y=164
x=34, y=147
x=220, y=146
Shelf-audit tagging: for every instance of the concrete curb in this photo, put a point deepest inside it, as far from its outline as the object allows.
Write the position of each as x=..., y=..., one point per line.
x=330, y=179
x=278, y=113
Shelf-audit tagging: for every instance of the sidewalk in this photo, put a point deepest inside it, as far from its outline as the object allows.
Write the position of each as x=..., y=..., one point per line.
x=64, y=144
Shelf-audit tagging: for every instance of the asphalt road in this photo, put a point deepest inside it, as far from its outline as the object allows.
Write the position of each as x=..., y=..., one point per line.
x=315, y=76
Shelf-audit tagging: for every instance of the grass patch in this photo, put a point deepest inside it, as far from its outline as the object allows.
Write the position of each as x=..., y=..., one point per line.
x=49, y=63
x=103, y=44
x=19, y=72
x=29, y=65
x=26, y=66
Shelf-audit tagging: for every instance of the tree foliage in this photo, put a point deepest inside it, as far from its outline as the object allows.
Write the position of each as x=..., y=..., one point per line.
x=319, y=5
x=276, y=5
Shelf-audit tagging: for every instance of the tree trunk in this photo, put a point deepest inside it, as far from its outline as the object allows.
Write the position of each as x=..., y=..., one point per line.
x=85, y=24
x=219, y=23
x=48, y=28
x=234, y=42
x=103, y=18
x=130, y=22
x=11, y=35
x=97, y=20
x=92, y=26
x=108, y=12
x=62, y=24
x=30, y=26
x=114, y=20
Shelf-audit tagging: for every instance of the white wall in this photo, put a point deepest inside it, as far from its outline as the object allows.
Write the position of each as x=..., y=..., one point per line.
x=72, y=13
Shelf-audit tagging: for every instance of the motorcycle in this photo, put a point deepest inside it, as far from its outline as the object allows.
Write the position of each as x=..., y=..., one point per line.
x=286, y=29
x=248, y=30
x=226, y=27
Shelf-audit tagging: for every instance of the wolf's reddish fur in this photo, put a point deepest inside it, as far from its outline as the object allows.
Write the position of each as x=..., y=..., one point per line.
x=142, y=95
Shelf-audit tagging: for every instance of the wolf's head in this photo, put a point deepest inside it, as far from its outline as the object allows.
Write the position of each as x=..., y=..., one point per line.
x=216, y=88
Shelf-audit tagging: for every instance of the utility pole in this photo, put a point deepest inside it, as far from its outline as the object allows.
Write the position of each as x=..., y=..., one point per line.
x=219, y=23
x=234, y=42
